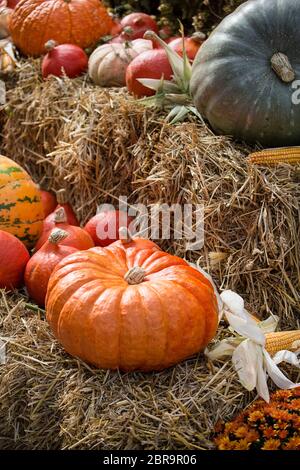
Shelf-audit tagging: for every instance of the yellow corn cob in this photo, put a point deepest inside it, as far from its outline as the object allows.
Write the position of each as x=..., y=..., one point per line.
x=275, y=156
x=289, y=340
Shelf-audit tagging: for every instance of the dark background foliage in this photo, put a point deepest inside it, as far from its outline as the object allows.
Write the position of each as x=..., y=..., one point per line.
x=202, y=14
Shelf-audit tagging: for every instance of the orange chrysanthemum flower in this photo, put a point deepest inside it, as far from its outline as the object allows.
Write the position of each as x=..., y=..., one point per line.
x=271, y=444
x=265, y=426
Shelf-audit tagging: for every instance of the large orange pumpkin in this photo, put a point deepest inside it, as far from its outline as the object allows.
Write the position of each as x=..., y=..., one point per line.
x=81, y=22
x=130, y=306
x=21, y=208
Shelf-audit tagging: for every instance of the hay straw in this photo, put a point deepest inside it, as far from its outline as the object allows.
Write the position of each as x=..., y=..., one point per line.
x=99, y=144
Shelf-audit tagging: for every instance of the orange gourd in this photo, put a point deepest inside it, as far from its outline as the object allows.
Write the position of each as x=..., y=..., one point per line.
x=43, y=262
x=150, y=64
x=77, y=237
x=104, y=227
x=63, y=201
x=130, y=306
x=13, y=259
x=192, y=45
x=49, y=202
x=80, y=22
x=21, y=209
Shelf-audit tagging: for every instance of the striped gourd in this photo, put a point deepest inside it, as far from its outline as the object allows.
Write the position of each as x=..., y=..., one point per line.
x=21, y=209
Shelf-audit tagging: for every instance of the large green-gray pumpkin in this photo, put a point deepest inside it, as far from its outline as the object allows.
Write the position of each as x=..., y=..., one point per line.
x=244, y=79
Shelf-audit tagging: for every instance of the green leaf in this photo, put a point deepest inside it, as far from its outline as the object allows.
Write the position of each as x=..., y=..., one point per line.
x=175, y=60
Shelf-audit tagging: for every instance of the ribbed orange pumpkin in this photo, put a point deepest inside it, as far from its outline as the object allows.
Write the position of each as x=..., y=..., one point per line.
x=80, y=22
x=130, y=306
x=21, y=209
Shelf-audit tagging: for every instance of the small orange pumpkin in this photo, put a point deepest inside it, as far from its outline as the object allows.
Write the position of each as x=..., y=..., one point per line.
x=49, y=202
x=131, y=306
x=13, y=259
x=63, y=201
x=80, y=22
x=42, y=263
x=77, y=237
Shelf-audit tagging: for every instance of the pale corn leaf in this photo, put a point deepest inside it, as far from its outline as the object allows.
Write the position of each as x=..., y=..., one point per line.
x=276, y=374
x=175, y=60
x=195, y=111
x=224, y=349
x=245, y=359
x=261, y=382
x=155, y=84
x=151, y=83
x=247, y=328
x=182, y=112
x=173, y=113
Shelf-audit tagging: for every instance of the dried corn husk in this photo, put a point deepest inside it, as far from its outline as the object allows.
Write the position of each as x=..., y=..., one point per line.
x=255, y=348
x=8, y=61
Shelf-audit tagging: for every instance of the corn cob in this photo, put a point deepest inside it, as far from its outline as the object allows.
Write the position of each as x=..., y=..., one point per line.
x=282, y=340
x=275, y=156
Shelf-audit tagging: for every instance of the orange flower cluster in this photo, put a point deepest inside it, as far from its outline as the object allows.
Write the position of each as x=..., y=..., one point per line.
x=265, y=426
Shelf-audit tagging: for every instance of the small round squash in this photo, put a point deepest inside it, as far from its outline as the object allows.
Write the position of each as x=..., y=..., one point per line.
x=109, y=62
x=64, y=59
x=13, y=259
x=21, y=208
x=130, y=306
x=151, y=64
x=40, y=266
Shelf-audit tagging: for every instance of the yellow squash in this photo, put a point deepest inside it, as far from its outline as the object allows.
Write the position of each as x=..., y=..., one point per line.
x=21, y=210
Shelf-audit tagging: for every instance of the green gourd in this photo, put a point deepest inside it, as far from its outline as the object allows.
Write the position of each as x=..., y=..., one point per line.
x=245, y=78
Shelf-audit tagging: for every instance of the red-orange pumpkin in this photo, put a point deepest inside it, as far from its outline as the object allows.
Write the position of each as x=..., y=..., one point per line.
x=77, y=237
x=136, y=24
x=64, y=59
x=104, y=227
x=130, y=306
x=63, y=201
x=150, y=64
x=49, y=202
x=39, y=268
x=192, y=45
x=80, y=22
x=13, y=259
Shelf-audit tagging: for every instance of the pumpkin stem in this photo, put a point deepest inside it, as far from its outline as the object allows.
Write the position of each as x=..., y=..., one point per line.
x=199, y=37
x=128, y=30
x=282, y=67
x=57, y=235
x=135, y=275
x=61, y=196
x=50, y=45
x=124, y=235
x=60, y=216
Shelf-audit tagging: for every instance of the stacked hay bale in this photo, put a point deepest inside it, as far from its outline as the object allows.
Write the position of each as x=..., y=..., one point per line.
x=100, y=144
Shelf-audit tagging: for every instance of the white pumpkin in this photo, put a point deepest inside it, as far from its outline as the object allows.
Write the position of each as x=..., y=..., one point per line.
x=5, y=14
x=108, y=63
